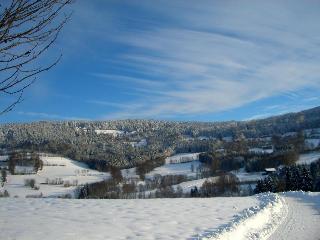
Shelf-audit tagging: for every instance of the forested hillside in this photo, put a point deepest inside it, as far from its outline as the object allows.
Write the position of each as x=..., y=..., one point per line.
x=125, y=143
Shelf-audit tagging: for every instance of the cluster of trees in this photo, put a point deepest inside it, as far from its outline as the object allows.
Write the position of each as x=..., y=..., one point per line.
x=143, y=168
x=292, y=178
x=158, y=186
x=224, y=185
x=30, y=182
x=260, y=162
x=283, y=143
x=221, y=162
x=24, y=159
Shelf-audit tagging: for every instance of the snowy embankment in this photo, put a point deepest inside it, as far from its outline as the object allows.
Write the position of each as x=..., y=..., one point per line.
x=257, y=222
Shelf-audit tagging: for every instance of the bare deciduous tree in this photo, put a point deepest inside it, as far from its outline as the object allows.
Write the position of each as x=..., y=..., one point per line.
x=28, y=28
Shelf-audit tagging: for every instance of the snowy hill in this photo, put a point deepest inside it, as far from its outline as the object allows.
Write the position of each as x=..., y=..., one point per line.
x=59, y=176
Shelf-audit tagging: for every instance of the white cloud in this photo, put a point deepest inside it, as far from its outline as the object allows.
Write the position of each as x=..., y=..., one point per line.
x=217, y=56
x=50, y=116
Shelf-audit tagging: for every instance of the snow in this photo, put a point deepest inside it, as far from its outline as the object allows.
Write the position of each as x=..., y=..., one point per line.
x=202, y=138
x=309, y=132
x=54, y=168
x=257, y=222
x=188, y=185
x=261, y=150
x=114, y=133
x=227, y=139
x=24, y=170
x=176, y=169
x=68, y=219
x=4, y=158
x=312, y=143
x=182, y=157
x=289, y=134
x=302, y=220
x=308, y=158
x=270, y=170
x=141, y=143
x=129, y=173
x=292, y=215
x=244, y=176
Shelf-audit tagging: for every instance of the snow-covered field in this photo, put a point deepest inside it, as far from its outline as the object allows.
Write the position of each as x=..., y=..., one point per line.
x=109, y=131
x=4, y=158
x=116, y=219
x=188, y=185
x=312, y=143
x=54, y=168
x=308, y=158
x=266, y=216
x=176, y=169
x=182, y=157
x=187, y=168
x=244, y=176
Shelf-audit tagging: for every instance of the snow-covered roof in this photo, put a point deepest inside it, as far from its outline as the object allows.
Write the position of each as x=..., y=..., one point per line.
x=270, y=169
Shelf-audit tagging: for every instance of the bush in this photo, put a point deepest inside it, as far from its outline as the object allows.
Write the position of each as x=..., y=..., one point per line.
x=66, y=196
x=67, y=183
x=56, y=181
x=30, y=182
x=5, y=193
x=3, y=176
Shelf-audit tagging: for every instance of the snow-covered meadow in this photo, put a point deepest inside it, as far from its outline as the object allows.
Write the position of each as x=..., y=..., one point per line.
x=178, y=164
x=55, y=169
x=188, y=169
x=308, y=158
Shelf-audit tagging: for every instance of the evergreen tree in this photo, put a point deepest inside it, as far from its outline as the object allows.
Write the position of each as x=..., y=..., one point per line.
x=3, y=176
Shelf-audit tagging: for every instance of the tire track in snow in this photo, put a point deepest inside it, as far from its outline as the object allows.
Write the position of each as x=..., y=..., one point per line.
x=303, y=218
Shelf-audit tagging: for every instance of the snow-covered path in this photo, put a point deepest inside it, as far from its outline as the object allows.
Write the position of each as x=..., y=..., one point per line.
x=303, y=217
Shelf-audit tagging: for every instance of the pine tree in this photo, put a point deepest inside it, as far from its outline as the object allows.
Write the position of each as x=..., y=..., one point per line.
x=3, y=176
x=306, y=180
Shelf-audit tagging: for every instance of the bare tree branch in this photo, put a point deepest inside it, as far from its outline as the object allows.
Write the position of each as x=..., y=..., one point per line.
x=28, y=28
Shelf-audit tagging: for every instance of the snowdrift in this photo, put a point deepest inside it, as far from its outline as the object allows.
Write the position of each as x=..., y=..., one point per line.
x=256, y=222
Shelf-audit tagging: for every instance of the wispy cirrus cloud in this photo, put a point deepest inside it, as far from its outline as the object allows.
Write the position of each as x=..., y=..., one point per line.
x=214, y=56
x=43, y=115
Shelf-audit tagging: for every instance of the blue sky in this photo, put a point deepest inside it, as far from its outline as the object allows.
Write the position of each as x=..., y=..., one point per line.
x=180, y=60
